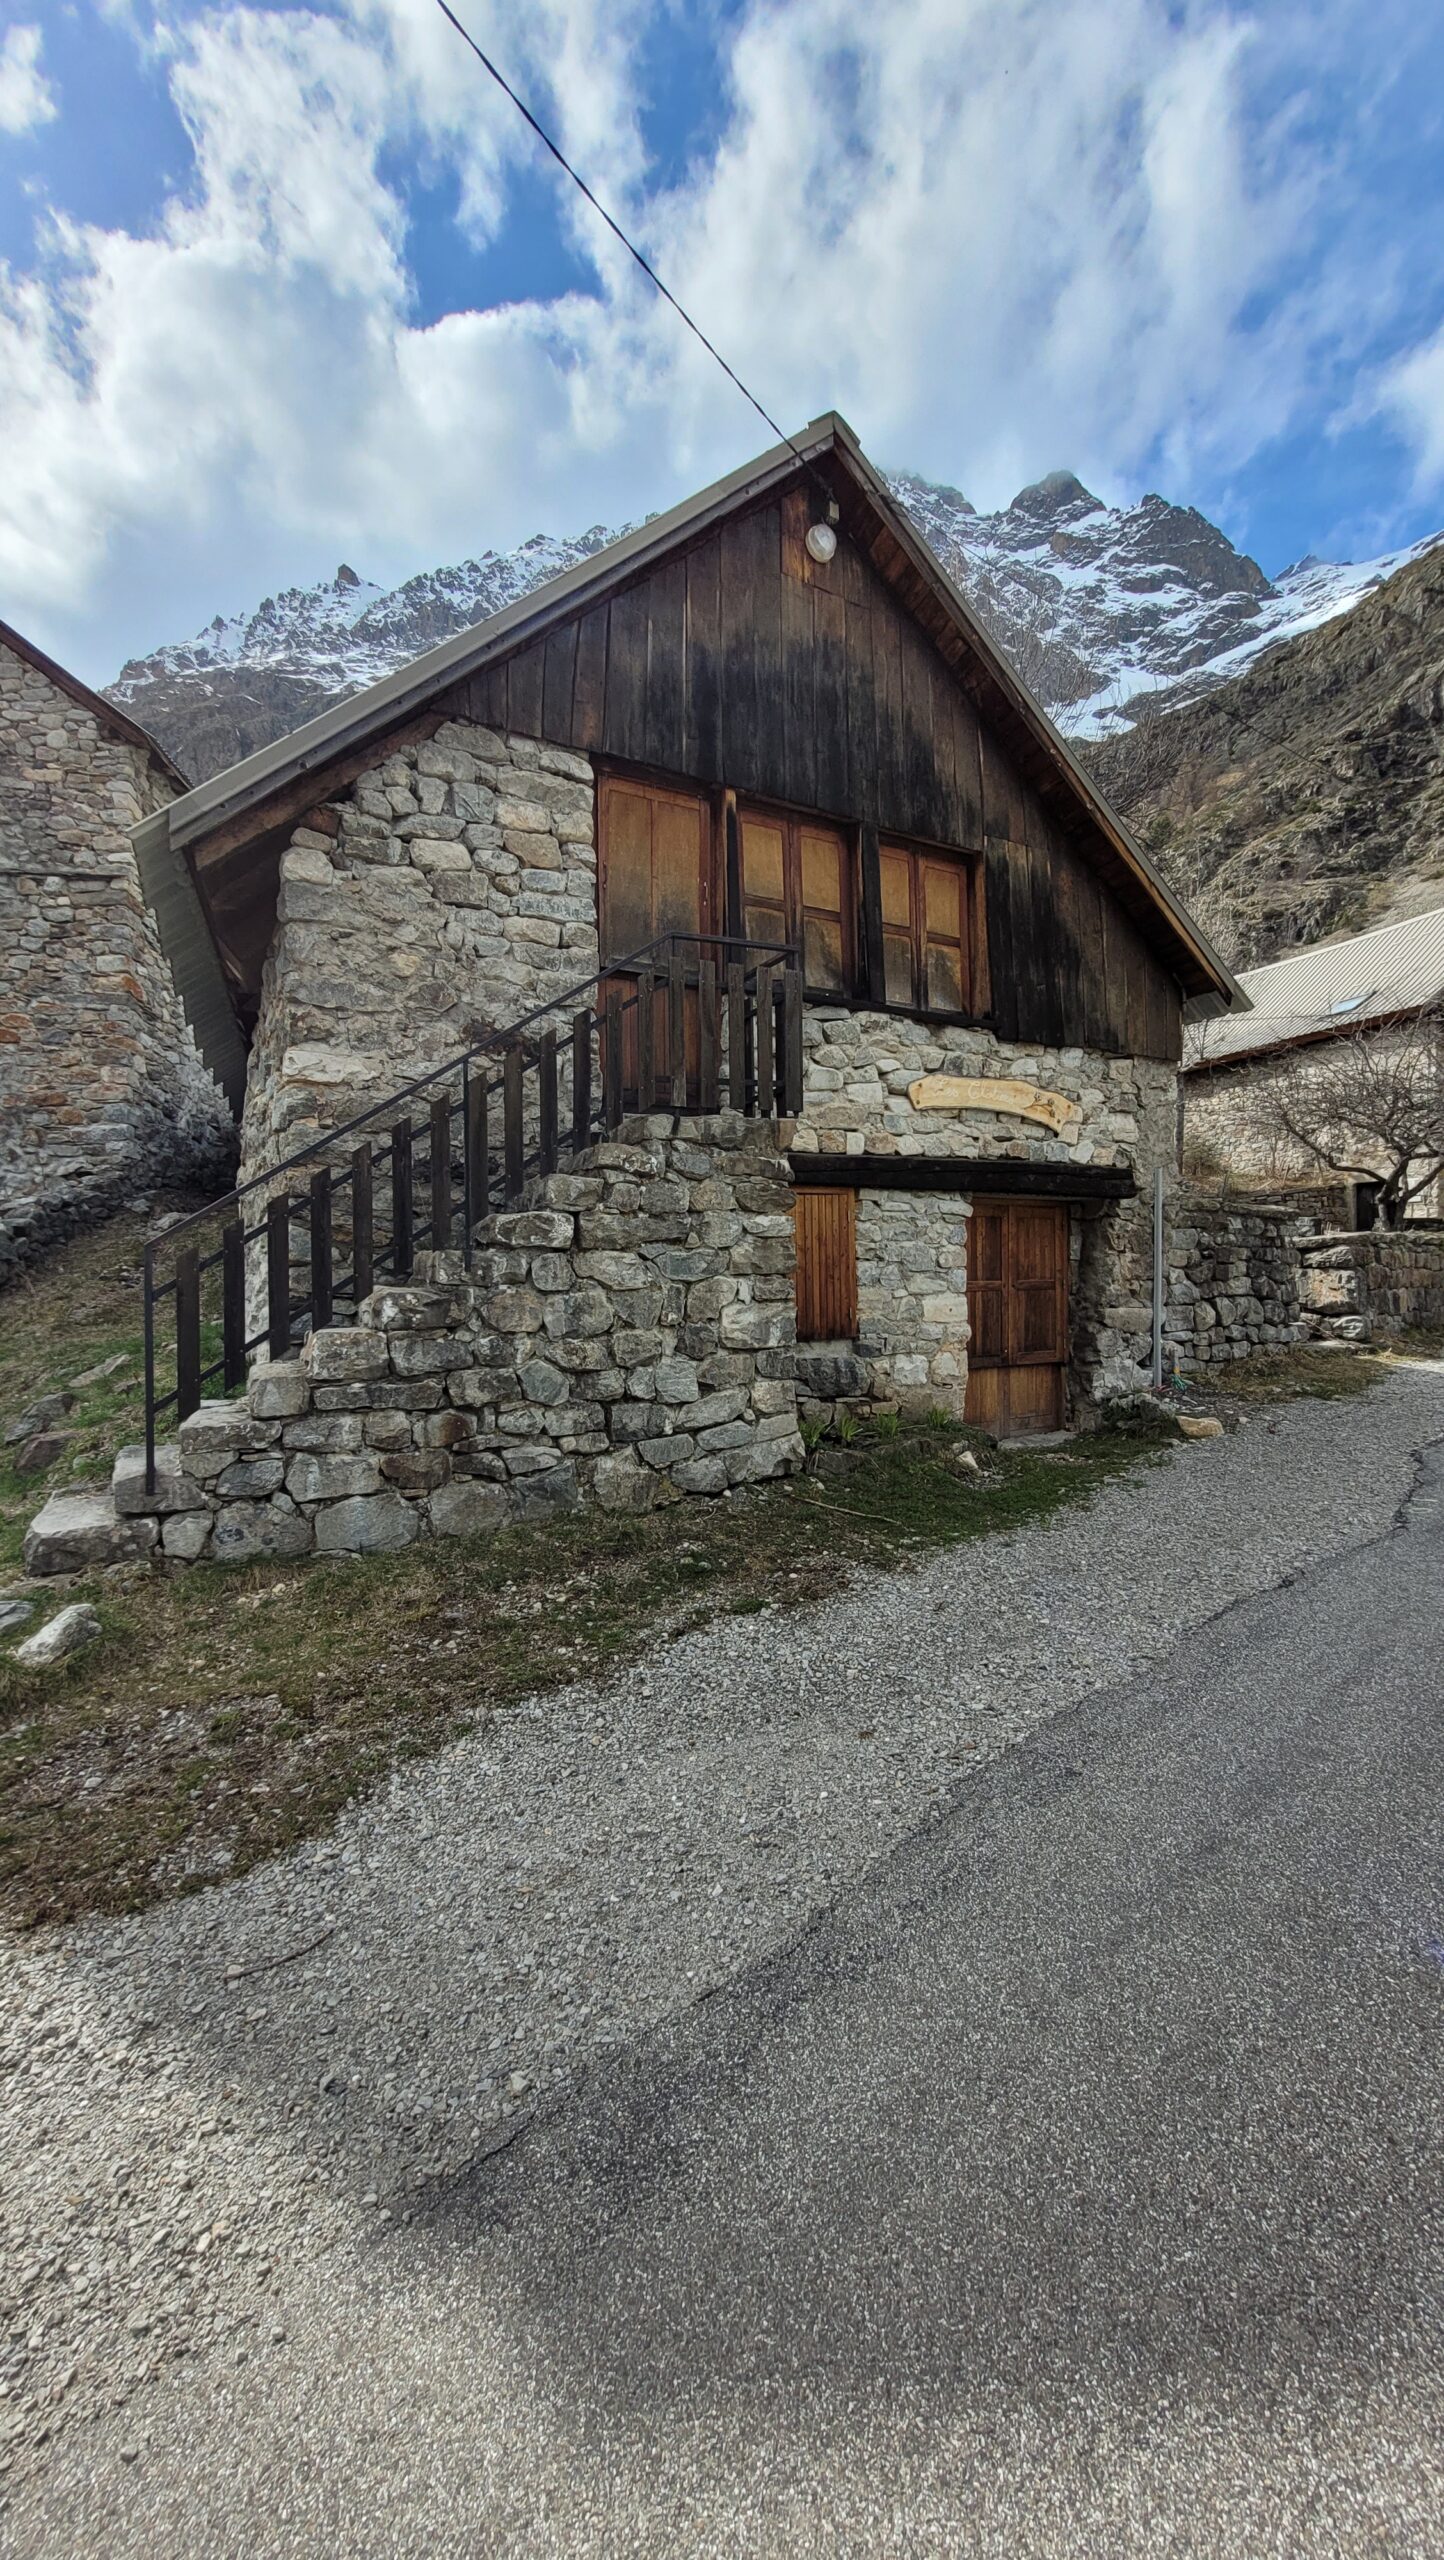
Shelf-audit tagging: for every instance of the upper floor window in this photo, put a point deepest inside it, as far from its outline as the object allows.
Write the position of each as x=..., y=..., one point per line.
x=931, y=929
x=797, y=888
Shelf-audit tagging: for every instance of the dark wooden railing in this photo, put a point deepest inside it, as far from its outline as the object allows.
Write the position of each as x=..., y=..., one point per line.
x=689, y=1024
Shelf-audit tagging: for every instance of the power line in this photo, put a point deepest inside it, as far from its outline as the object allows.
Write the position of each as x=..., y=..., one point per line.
x=632, y=250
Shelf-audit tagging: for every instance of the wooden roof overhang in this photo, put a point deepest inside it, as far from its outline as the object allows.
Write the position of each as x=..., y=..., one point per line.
x=227, y=835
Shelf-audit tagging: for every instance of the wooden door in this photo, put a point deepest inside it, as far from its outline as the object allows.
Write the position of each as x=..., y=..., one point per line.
x=826, y=1266
x=1018, y=1312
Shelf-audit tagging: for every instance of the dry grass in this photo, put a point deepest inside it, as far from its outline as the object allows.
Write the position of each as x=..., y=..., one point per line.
x=227, y=1713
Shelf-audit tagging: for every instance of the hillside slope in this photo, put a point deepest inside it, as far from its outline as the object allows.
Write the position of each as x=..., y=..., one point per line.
x=1306, y=796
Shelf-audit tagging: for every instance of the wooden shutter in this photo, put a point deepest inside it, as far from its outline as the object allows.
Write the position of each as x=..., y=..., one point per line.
x=822, y=874
x=896, y=872
x=943, y=888
x=826, y=1265
x=764, y=877
x=656, y=864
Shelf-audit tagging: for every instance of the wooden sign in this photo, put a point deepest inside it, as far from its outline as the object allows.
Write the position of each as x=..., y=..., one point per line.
x=994, y=1093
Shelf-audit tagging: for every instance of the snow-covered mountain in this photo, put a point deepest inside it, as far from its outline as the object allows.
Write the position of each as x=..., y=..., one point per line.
x=1097, y=606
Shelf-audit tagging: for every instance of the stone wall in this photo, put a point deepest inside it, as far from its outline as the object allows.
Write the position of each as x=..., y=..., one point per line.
x=102, y=1092
x=855, y=1095
x=453, y=888
x=912, y=1296
x=1233, y=1281
x=1358, y=1288
x=625, y=1339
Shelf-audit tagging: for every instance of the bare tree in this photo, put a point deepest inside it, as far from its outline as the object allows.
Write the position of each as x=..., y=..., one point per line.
x=1369, y=1107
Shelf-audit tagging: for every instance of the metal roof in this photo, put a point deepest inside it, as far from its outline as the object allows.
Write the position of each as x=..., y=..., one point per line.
x=1328, y=989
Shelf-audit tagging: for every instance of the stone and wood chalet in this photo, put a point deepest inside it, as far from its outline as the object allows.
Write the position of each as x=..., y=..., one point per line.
x=710, y=981
x=102, y=1092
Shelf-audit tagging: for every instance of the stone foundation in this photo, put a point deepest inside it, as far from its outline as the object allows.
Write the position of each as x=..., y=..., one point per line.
x=102, y=1092
x=625, y=1339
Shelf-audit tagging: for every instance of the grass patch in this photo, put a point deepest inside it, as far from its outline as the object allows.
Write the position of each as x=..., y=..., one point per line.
x=227, y=1713
x=1304, y=1371
x=81, y=1308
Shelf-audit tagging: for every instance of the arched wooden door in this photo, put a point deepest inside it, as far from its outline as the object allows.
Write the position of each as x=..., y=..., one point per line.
x=1018, y=1312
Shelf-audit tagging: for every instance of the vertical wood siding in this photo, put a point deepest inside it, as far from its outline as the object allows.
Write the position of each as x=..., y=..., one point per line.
x=745, y=664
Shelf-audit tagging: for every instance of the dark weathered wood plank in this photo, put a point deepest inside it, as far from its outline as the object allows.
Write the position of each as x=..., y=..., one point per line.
x=873, y=979
x=708, y=1037
x=646, y=1040
x=612, y=1086
x=736, y=1037
x=322, y=1268
x=587, y=728
x=546, y=1062
x=559, y=669
x=581, y=1078
x=403, y=1206
x=525, y=680
x=790, y=1079
x=677, y=1028
x=362, y=1229
x=233, y=1303
x=626, y=719
x=702, y=747
x=278, y=1276
x=513, y=1126
x=187, y=1330
x=440, y=1167
x=766, y=1053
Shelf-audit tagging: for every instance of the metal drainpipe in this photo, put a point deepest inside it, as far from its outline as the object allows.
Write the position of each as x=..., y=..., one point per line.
x=1157, y=1278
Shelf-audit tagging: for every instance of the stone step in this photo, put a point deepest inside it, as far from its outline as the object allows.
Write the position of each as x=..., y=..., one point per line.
x=81, y=1531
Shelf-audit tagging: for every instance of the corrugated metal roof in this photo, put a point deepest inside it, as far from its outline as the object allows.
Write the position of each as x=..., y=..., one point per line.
x=1331, y=987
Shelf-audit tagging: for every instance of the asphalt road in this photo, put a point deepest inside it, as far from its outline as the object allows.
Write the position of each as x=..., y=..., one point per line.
x=1075, y=2187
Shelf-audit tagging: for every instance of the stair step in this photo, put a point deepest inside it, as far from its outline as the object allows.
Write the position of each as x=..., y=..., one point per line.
x=79, y=1532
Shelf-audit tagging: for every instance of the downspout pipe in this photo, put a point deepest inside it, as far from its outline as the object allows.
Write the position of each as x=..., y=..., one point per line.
x=1158, y=1278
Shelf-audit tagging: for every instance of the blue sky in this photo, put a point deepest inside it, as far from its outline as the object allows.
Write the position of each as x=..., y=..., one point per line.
x=284, y=284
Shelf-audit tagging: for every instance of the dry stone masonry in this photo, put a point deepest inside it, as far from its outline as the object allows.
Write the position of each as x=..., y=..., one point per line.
x=1357, y=1287
x=451, y=891
x=101, y=1089
x=1233, y=1281
x=624, y=1339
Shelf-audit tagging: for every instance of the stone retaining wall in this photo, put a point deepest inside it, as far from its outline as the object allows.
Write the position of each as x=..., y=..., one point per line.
x=102, y=1092
x=1233, y=1281
x=625, y=1339
x=1361, y=1286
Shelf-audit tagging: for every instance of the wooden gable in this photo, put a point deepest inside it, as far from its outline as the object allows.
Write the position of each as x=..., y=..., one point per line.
x=740, y=662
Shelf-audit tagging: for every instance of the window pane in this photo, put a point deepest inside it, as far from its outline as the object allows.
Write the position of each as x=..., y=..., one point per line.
x=942, y=889
x=761, y=859
x=897, y=963
x=763, y=924
x=897, y=873
x=944, y=978
x=822, y=873
x=822, y=953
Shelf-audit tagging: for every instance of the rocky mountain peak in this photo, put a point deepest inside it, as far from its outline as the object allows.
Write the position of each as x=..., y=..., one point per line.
x=1058, y=493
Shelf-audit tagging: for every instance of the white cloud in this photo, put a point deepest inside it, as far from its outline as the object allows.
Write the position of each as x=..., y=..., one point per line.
x=1412, y=395
x=1000, y=234
x=26, y=96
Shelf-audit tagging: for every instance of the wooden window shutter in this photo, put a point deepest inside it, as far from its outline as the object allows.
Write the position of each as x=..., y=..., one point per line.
x=826, y=1223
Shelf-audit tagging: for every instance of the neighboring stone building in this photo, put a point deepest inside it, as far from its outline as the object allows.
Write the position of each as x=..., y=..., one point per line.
x=102, y=1091
x=1371, y=985
x=765, y=728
